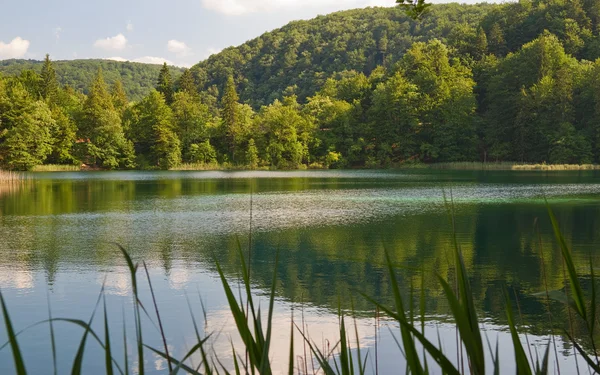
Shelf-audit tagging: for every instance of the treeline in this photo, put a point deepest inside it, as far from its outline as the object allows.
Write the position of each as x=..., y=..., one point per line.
x=515, y=83
x=138, y=79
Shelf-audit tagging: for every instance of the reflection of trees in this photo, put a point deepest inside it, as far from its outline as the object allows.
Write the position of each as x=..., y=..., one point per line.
x=322, y=265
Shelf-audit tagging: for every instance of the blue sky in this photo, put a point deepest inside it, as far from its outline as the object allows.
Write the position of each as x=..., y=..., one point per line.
x=181, y=32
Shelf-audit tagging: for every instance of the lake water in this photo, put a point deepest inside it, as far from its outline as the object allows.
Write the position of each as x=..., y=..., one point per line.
x=58, y=233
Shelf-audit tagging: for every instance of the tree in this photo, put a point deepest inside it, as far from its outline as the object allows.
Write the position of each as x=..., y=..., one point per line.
x=102, y=140
x=186, y=83
x=153, y=133
x=286, y=134
x=229, y=112
x=165, y=84
x=25, y=123
x=49, y=83
x=192, y=121
x=252, y=159
x=119, y=97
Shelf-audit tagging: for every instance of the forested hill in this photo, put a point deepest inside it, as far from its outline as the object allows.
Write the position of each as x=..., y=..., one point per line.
x=306, y=53
x=138, y=79
x=371, y=88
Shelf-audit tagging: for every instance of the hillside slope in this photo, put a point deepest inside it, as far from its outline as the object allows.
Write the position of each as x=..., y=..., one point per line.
x=306, y=53
x=138, y=79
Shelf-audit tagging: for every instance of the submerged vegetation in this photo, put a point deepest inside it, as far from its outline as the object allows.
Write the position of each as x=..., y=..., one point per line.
x=367, y=88
x=347, y=355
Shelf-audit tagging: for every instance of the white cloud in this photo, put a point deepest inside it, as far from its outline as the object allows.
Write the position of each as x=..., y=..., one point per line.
x=211, y=51
x=179, y=48
x=118, y=43
x=240, y=7
x=116, y=58
x=153, y=60
x=129, y=26
x=16, y=48
x=144, y=60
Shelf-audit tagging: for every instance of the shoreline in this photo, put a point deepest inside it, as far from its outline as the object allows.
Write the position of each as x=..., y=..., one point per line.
x=458, y=166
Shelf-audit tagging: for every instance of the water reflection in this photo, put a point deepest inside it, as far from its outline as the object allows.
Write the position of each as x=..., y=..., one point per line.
x=331, y=228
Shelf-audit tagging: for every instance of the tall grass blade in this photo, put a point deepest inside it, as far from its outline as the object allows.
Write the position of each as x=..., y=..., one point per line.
x=523, y=365
x=577, y=291
x=136, y=303
x=412, y=357
x=160, y=325
x=178, y=363
x=78, y=361
x=52, y=336
x=291, y=357
x=107, y=348
x=469, y=330
x=12, y=338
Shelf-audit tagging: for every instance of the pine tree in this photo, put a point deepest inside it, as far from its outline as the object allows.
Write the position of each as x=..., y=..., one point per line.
x=49, y=83
x=165, y=84
x=186, y=83
x=25, y=124
x=119, y=97
x=101, y=131
x=496, y=41
x=229, y=104
x=153, y=133
x=252, y=155
x=481, y=43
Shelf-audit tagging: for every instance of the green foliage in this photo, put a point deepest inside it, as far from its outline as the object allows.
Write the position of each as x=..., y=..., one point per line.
x=102, y=140
x=372, y=88
x=202, y=152
x=153, y=133
x=138, y=79
x=25, y=128
x=165, y=84
x=49, y=83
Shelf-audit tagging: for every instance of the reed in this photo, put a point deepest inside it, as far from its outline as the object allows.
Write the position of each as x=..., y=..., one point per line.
x=10, y=176
x=56, y=168
x=511, y=166
x=344, y=356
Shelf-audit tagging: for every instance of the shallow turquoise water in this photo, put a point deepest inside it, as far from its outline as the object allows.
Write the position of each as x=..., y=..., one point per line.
x=58, y=235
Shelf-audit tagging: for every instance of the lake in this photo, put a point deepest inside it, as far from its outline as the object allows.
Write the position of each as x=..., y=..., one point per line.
x=331, y=228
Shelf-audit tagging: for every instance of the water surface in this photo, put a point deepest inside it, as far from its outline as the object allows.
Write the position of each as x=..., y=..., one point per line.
x=58, y=234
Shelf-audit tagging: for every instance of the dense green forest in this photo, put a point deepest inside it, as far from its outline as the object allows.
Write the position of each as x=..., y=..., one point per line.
x=138, y=79
x=361, y=88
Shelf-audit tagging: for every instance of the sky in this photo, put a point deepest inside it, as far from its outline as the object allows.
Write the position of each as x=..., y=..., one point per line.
x=179, y=32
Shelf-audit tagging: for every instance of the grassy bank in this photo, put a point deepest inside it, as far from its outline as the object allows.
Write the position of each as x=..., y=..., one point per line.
x=10, y=176
x=56, y=168
x=346, y=356
x=508, y=166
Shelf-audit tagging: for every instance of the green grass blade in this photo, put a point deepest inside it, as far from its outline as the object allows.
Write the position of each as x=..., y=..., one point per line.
x=160, y=325
x=239, y=317
x=107, y=348
x=78, y=361
x=320, y=356
x=433, y=350
x=14, y=345
x=291, y=357
x=52, y=337
x=577, y=291
x=178, y=363
x=195, y=348
x=521, y=361
x=125, y=351
x=593, y=365
x=412, y=357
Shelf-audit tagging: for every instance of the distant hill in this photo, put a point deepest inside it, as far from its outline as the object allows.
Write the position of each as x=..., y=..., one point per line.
x=306, y=53
x=138, y=79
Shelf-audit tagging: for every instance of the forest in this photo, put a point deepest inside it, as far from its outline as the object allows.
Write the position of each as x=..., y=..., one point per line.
x=366, y=88
x=138, y=79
